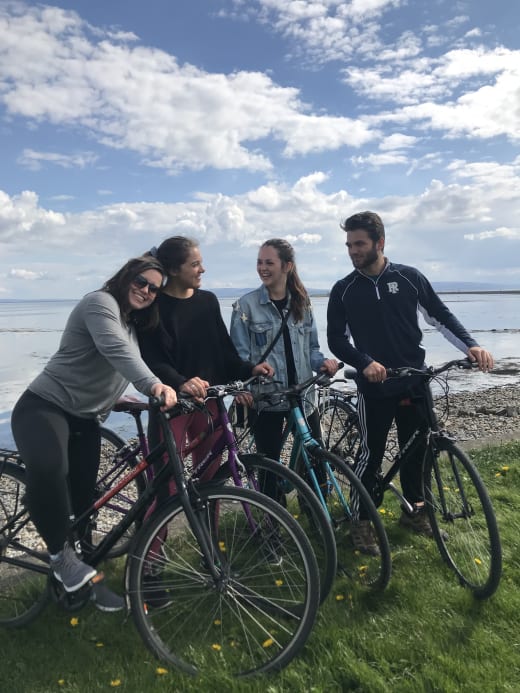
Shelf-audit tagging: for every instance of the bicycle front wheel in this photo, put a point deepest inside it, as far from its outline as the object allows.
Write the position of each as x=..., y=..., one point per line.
x=339, y=427
x=462, y=518
x=24, y=561
x=117, y=459
x=346, y=499
x=251, y=611
x=303, y=504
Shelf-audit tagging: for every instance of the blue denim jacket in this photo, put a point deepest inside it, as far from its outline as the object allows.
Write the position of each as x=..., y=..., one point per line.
x=255, y=322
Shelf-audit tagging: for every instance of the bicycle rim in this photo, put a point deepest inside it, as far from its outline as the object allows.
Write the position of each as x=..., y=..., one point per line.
x=462, y=519
x=338, y=482
x=303, y=504
x=256, y=616
x=339, y=428
x=23, y=592
x=115, y=462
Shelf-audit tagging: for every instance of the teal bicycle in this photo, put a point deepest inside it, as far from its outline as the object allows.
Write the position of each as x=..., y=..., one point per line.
x=332, y=480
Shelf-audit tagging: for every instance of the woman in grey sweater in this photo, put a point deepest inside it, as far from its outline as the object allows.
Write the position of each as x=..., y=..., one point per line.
x=55, y=422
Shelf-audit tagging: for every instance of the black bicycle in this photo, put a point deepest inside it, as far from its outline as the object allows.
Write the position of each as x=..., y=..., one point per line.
x=459, y=508
x=217, y=577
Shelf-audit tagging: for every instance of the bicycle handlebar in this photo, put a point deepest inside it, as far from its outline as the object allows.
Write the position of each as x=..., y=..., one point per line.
x=318, y=379
x=430, y=372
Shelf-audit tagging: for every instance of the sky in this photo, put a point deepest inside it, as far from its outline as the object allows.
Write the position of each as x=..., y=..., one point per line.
x=124, y=122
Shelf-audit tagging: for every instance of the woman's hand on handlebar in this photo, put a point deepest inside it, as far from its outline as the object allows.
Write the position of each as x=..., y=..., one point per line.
x=263, y=369
x=375, y=372
x=195, y=387
x=330, y=367
x=165, y=393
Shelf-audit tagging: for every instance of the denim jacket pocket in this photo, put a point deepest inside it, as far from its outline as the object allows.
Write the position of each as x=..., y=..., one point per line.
x=261, y=333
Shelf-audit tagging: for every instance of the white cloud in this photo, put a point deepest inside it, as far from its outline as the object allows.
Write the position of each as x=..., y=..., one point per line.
x=34, y=160
x=28, y=275
x=138, y=98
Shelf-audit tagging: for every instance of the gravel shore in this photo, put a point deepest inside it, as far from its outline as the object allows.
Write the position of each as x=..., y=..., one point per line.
x=489, y=416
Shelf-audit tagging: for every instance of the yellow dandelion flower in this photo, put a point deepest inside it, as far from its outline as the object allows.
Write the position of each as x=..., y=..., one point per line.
x=115, y=683
x=278, y=583
x=505, y=469
x=161, y=671
x=217, y=622
x=498, y=474
x=61, y=682
x=340, y=597
x=478, y=561
x=222, y=546
x=296, y=516
x=216, y=647
x=74, y=621
x=100, y=644
x=362, y=568
x=267, y=643
x=382, y=511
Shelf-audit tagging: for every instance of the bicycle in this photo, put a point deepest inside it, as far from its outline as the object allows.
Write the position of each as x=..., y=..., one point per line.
x=243, y=469
x=459, y=508
x=234, y=580
x=332, y=481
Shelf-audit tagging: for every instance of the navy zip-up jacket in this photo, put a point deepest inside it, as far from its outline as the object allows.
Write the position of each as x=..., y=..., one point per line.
x=376, y=319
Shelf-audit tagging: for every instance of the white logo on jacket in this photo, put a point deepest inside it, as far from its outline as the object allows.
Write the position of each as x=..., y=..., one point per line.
x=393, y=288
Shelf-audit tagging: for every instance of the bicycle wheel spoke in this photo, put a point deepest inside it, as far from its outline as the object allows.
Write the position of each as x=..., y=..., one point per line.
x=463, y=520
x=250, y=610
x=338, y=484
x=23, y=592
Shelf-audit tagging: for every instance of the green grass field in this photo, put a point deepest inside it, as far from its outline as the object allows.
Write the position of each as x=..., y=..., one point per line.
x=424, y=633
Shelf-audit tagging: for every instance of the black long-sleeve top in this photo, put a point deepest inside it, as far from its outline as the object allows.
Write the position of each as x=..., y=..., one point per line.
x=192, y=340
x=380, y=316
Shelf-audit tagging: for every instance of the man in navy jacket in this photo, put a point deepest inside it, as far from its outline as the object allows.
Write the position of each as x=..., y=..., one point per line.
x=372, y=324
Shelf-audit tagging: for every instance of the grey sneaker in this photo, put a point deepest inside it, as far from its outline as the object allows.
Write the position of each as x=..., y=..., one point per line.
x=104, y=599
x=363, y=537
x=70, y=571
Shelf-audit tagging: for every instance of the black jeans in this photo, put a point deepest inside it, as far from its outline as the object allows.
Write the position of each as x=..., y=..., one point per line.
x=268, y=428
x=61, y=455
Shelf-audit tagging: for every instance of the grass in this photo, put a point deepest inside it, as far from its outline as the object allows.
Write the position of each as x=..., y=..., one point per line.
x=424, y=633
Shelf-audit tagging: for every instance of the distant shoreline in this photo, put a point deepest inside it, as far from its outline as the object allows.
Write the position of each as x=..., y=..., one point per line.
x=313, y=293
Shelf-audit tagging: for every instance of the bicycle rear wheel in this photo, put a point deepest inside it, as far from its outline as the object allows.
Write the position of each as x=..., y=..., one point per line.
x=303, y=504
x=255, y=615
x=24, y=561
x=117, y=459
x=462, y=518
x=339, y=427
x=337, y=482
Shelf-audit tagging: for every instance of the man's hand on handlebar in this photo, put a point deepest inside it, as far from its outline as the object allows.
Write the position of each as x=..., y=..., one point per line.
x=166, y=393
x=482, y=357
x=375, y=372
x=330, y=367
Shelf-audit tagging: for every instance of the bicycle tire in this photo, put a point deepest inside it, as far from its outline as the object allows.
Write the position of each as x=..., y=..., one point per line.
x=303, y=504
x=462, y=518
x=260, y=612
x=337, y=485
x=24, y=592
x=339, y=427
x=112, y=468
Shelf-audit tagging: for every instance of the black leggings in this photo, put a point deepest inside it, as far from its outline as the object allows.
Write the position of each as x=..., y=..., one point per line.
x=61, y=453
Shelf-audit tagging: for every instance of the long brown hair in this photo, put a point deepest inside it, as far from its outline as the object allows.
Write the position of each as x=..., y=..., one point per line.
x=299, y=297
x=119, y=284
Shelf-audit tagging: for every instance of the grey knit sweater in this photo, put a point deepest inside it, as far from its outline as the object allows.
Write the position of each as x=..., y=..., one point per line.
x=98, y=356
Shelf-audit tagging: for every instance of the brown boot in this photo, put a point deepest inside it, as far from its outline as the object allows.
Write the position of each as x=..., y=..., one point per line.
x=363, y=537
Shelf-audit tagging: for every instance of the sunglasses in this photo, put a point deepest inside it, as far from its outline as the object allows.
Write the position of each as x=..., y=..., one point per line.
x=141, y=283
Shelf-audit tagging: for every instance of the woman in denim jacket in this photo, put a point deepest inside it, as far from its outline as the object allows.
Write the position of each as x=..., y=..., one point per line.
x=255, y=323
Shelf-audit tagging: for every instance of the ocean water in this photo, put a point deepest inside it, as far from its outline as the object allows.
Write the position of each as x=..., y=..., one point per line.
x=30, y=332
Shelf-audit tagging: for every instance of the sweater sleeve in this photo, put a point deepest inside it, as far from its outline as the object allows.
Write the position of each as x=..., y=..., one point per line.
x=112, y=340
x=437, y=314
x=338, y=334
x=154, y=352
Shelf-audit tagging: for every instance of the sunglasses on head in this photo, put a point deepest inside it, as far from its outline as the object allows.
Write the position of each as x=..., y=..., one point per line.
x=141, y=283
